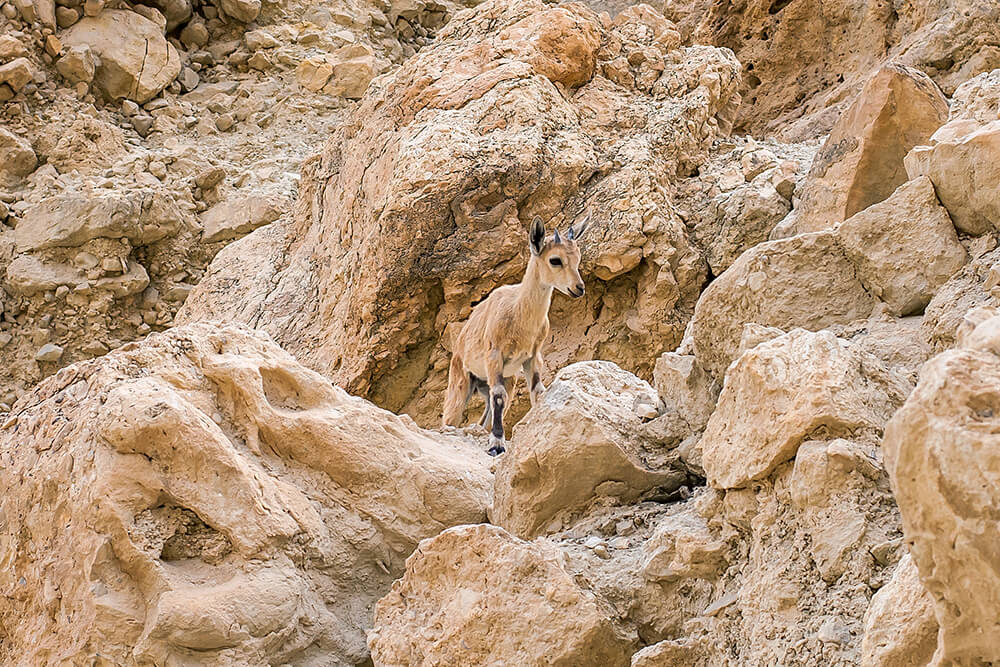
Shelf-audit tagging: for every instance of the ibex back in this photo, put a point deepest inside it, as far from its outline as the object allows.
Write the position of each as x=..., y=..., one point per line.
x=505, y=333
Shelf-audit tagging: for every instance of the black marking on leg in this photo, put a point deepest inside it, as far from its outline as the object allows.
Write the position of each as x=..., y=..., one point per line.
x=535, y=380
x=498, y=416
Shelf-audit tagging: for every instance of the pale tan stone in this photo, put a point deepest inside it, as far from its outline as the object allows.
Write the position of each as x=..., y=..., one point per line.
x=584, y=440
x=943, y=456
x=904, y=248
x=900, y=628
x=782, y=392
x=202, y=491
x=861, y=162
x=804, y=281
x=476, y=595
x=137, y=62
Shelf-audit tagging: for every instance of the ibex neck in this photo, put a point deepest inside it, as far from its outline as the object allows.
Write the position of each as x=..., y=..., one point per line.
x=535, y=297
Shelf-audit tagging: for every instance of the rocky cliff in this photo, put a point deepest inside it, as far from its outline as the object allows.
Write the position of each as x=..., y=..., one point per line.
x=236, y=242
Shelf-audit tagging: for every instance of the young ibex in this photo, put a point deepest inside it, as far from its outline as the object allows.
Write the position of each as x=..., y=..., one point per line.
x=505, y=332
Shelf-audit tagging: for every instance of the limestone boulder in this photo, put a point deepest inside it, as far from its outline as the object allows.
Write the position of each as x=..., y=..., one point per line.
x=785, y=391
x=900, y=628
x=682, y=547
x=942, y=452
x=236, y=216
x=71, y=219
x=241, y=10
x=963, y=162
x=586, y=439
x=685, y=389
x=17, y=73
x=977, y=100
x=137, y=62
x=861, y=162
x=805, y=281
x=419, y=205
x=827, y=485
x=200, y=496
x=17, y=159
x=904, y=248
x=476, y=595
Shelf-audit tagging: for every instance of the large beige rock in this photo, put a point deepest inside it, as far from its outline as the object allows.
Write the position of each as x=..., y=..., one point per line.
x=783, y=392
x=137, y=62
x=476, y=595
x=861, y=162
x=685, y=389
x=964, y=164
x=942, y=452
x=900, y=628
x=71, y=219
x=235, y=216
x=585, y=439
x=419, y=205
x=804, y=281
x=904, y=248
x=201, y=496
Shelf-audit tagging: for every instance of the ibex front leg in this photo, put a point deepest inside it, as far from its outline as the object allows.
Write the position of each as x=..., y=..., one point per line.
x=532, y=375
x=498, y=401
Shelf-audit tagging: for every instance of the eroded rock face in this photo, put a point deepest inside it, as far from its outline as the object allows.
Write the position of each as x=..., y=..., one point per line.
x=586, y=439
x=805, y=60
x=477, y=595
x=137, y=62
x=419, y=206
x=787, y=390
x=900, y=628
x=861, y=162
x=202, y=496
x=943, y=455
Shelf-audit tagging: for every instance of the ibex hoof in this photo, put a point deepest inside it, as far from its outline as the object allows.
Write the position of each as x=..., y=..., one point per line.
x=496, y=446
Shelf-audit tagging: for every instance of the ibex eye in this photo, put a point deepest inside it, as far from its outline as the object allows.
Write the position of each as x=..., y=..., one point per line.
x=555, y=261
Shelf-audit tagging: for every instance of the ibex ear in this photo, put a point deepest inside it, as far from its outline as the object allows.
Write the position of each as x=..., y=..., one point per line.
x=577, y=231
x=536, y=237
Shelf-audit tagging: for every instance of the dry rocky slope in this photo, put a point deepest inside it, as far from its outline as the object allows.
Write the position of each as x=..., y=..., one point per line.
x=769, y=431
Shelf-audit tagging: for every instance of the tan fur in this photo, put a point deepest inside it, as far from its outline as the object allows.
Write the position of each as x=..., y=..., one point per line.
x=505, y=333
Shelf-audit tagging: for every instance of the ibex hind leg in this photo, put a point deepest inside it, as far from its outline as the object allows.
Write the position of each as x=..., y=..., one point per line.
x=458, y=394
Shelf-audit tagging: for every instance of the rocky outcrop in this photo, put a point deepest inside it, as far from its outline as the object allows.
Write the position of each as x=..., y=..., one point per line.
x=589, y=438
x=804, y=281
x=962, y=162
x=476, y=595
x=202, y=496
x=904, y=248
x=418, y=207
x=804, y=61
x=861, y=162
x=788, y=390
x=137, y=62
x=941, y=453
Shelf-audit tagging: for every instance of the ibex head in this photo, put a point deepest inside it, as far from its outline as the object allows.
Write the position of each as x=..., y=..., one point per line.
x=558, y=258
